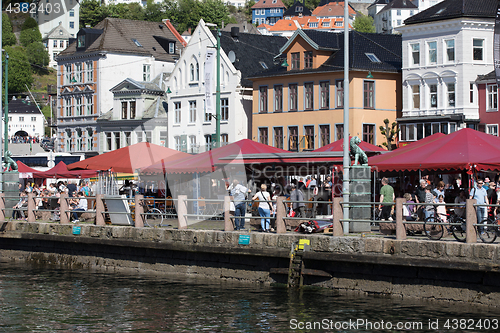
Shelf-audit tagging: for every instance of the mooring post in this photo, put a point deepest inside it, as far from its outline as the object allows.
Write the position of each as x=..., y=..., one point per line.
x=228, y=224
x=31, y=207
x=400, y=227
x=139, y=211
x=280, y=214
x=470, y=220
x=182, y=211
x=338, y=229
x=63, y=207
x=99, y=210
x=2, y=207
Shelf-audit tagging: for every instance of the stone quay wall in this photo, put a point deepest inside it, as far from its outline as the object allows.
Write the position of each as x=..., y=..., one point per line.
x=432, y=270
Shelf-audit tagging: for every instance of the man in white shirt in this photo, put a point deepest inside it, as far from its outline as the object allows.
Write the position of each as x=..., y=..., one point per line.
x=81, y=207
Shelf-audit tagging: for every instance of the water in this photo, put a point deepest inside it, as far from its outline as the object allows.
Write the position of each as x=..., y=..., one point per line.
x=43, y=299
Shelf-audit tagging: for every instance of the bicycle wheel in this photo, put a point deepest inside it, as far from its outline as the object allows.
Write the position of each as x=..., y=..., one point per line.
x=458, y=231
x=433, y=231
x=153, y=218
x=488, y=234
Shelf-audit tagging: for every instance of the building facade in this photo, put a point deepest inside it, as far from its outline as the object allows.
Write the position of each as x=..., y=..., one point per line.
x=390, y=14
x=25, y=119
x=55, y=42
x=267, y=11
x=49, y=16
x=487, y=94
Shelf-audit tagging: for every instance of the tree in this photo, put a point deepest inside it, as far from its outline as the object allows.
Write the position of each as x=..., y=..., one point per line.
x=29, y=23
x=8, y=37
x=154, y=12
x=19, y=69
x=389, y=133
x=215, y=11
x=91, y=13
x=38, y=57
x=30, y=32
x=363, y=23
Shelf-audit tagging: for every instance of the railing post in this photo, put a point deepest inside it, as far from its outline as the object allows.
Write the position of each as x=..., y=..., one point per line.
x=470, y=220
x=139, y=210
x=63, y=207
x=99, y=210
x=400, y=227
x=31, y=207
x=2, y=207
x=182, y=211
x=280, y=214
x=338, y=229
x=228, y=224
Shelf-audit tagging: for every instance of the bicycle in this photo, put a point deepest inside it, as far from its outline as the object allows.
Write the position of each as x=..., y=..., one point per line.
x=434, y=226
x=153, y=217
x=489, y=233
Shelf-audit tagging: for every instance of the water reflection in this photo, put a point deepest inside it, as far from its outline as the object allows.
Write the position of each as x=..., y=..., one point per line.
x=43, y=299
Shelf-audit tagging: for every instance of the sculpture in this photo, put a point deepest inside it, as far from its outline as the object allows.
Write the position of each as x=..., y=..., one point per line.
x=9, y=162
x=358, y=153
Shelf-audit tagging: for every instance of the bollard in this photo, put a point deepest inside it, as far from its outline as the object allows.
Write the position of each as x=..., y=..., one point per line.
x=139, y=211
x=470, y=220
x=182, y=211
x=99, y=210
x=400, y=227
x=338, y=229
x=31, y=207
x=228, y=224
x=2, y=207
x=63, y=207
x=280, y=214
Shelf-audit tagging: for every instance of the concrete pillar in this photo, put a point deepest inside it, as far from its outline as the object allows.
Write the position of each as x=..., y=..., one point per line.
x=31, y=207
x=228, y=224
x=338, y=213
x=470, y=220
x=2, y=207
x=99, y=210
x=182, y=211
x=139, y=210
x=63, y=207
x=400, y=227
x=280, y=214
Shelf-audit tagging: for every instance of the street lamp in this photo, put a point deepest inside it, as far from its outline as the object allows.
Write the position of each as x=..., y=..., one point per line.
x=217, y=91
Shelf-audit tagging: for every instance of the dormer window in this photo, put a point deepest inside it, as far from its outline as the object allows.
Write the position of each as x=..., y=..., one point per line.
x=81, y=41
x=171, y=47
x=299, y=9
x=274, y=1
x=136, y=42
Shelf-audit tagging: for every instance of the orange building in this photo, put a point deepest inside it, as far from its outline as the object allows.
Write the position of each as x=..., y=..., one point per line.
x=298, y=105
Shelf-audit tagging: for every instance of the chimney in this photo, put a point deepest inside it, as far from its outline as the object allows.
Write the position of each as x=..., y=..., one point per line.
x=235, y=32
x=189, y=31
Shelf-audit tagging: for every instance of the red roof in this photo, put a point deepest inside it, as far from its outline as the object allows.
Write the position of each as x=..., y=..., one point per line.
x=269, y=4
x=23, y=168
x=339, y=146
x=129, y=159
x=461, y=150
x=61, y=171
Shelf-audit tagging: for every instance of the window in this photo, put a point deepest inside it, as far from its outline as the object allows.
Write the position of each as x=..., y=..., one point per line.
x=55, y=43
x=293, y=135
x=432, y=52
x=68, y=140
x=126, y=137
x=471, y=93
x=339, y=24
x=132, y=109
x=146, y=72
x=78, y=72
x=109, y=141
x=71, y=24
x=33, y=118
x=296, y=60
x=67, y=107
x=208, y=142
x=263, y=135
x=309, y=137
x=193, y=147
x=451, y=94
x=293, y=97
x=324, y=131
x=21, y=118
x=90, y=139
x=177, y=112
x=308, y=59
x=278, y=98
x=171, y=47
x=398, y=12
x=79, y=140
x=492, y=129
x=433, y=95
x=415, y=54
x=398, y=22
x=324, y=97
x=178, y=144
x=309, y=96
x=89, y=69
x=369, y=94
x=192, y=111
x=191, y=70
x=278, y=137
x=208, y=116
x=139, y=136
x=372, y=57
x=339, y=131
x=79, y=106
x=72, y=13
x=124, y=110
x=339, y=93
x=450, y=50
x=415, y=92
x=313, y=24
x=369, y=133
x=117, y=140
x=326, y=24
x=197, y=72
x=263, y=99
x=224, y=140
x=61, y=44
x=477, y=49
x=67, y=74
x=492, y=97
x=224, y=109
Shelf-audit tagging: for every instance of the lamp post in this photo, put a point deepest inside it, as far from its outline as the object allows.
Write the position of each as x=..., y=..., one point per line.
x=346, y=158
x=6, y=112
x=217, y=91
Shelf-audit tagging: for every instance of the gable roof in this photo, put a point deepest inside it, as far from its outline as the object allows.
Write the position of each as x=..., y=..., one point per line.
x=332, y=9
x=118, y=36
x=292, y=11
x=251, y=50
x=269, y=4
x=22, y=106
x=58, y=33
x=399, y=4
x=379, y=2
x=449, y=9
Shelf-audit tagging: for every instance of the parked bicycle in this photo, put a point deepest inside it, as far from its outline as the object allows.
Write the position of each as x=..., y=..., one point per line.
x=153, y=217
x=434, y=226
x=489, y=233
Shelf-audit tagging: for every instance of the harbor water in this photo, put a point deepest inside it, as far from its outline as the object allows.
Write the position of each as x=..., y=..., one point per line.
x=50, y=299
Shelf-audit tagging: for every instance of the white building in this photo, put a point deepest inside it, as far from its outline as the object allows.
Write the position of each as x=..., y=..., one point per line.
x=56, y=41
x=443, y=53
x=390, y=14
x=25, y=119
x=68, y=17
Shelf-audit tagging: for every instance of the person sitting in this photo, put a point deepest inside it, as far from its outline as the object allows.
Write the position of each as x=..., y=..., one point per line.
x=17, y=212
x=409, y=208
x=81, y=206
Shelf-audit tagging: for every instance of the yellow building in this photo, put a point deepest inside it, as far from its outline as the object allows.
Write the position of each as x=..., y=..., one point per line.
x=298, y=105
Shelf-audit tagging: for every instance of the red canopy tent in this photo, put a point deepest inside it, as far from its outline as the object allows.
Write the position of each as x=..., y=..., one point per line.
x=207, y=161
x=61, y=171
x=339, y=146
x=461, y=150
x=25, y=171
x=128, y=159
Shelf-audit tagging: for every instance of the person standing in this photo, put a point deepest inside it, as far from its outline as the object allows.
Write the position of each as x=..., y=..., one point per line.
x=386, y=199
x=481, y=196
x=264, y=208
x=239, y=192
x=492, y=198
x=420, y=198
x=81, y=206
x=298, y=207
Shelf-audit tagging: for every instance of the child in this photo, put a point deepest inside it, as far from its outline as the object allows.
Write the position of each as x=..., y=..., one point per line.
x=441, y=209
